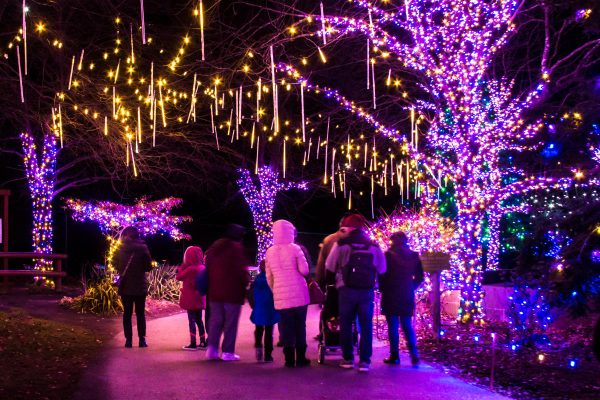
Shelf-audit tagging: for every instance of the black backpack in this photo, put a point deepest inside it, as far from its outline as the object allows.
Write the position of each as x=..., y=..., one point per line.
x=360, y=272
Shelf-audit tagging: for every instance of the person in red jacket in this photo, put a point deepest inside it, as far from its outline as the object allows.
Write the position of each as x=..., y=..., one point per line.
x=226, y=263
x=190, y=298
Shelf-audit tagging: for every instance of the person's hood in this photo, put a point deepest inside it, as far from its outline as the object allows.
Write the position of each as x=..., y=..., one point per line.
x=283, y=232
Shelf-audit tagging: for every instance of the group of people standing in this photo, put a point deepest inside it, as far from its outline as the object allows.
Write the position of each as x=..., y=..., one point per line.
x=348, y=259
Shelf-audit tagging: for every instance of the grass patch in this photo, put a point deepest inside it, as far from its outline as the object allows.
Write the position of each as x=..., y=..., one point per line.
x=42, y=359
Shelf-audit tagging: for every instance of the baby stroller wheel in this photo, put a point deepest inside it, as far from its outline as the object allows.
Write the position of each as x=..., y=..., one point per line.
x=321, y=359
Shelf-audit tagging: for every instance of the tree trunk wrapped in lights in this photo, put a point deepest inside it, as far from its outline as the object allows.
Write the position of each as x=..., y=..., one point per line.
x=261, y=200
x=41, y=177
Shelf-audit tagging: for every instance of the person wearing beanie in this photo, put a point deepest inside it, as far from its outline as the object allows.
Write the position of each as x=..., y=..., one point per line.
x=226, y=267
x=325, y=249
x=355, y=261
x=404, y=274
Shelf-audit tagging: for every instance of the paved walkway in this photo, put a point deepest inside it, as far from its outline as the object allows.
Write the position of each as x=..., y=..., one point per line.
x=164, y=371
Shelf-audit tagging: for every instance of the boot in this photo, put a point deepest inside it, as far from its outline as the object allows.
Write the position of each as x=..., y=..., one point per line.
x=143, y=342
x=393, y=359
x=414, y=359
x=290, y=356
x=268, y=357
x=128, y=343
x=301, y=360
x=268, y=354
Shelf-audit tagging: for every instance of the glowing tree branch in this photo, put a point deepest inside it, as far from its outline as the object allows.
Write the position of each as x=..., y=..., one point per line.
x=149, y=217
x=41, y=177
x=261, y=200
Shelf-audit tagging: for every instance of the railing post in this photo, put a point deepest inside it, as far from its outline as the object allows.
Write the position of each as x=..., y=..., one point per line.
x=5, y=280
x=435, y=304
x=59, y=280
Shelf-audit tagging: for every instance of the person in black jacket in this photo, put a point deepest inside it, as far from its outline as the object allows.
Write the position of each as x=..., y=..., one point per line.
x=132, y=260
x=403, y=275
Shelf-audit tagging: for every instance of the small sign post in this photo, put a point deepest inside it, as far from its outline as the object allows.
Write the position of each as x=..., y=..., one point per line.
x=4, y=195
x=434, y=263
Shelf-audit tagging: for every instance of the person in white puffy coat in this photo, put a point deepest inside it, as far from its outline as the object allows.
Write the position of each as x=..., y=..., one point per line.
x=287, y=269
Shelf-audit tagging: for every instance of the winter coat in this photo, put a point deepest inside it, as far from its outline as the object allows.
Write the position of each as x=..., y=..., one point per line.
x=340, y=255
x=264, y=312
x=404, y=274
x=226, y=263
x=286, y=268
x=326, y=247
x=190, y=298
x=133, y=281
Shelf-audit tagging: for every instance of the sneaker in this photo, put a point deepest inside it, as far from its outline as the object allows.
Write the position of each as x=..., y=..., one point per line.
x=212, y=353
x=259, y=354
x=363, y=366
x=191, y=347
x=230, y=357
x=347, y=364
x=128, y=343
x=203, y=343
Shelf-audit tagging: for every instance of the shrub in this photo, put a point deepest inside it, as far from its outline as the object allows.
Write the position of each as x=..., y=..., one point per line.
x=100, y=297
x=162, y=284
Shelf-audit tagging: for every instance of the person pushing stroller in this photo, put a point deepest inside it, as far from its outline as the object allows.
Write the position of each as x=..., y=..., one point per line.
x=356, y=260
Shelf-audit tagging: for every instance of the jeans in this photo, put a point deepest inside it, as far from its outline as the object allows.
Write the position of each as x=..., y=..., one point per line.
x=267, y=330
x=140, y=304
x=195, y=318
x=409, y=334
x=292, y=326
x=353, y=303
x=224, y=318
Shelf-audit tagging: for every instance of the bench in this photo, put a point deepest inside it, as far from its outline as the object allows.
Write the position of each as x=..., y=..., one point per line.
x=57, y=258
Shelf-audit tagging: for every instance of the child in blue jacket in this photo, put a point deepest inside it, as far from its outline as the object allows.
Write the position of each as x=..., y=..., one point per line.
x=264, y=315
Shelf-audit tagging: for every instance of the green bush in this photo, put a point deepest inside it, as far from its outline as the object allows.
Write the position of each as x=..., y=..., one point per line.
x=100, y=297
x=162, y=284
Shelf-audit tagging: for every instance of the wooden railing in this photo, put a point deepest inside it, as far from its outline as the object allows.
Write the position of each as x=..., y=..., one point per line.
x=57, y=258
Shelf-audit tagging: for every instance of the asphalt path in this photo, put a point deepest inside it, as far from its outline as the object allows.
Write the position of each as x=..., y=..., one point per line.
x=165, y=371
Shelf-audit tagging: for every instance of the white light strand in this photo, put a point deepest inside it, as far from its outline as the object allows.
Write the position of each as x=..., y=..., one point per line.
x=20, y=75
x=143, y=22
x=201, y=16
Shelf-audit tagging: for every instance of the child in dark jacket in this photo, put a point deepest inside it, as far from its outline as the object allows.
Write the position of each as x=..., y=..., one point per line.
x=264, y=316
x=191, y=300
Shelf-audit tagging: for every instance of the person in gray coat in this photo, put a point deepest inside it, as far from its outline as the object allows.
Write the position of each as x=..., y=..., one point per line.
x=403, y=275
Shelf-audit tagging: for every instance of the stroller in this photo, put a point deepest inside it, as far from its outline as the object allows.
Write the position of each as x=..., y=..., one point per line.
x=329, y=325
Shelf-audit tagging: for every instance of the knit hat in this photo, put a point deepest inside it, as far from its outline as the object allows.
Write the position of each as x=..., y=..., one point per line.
x=353, y=221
